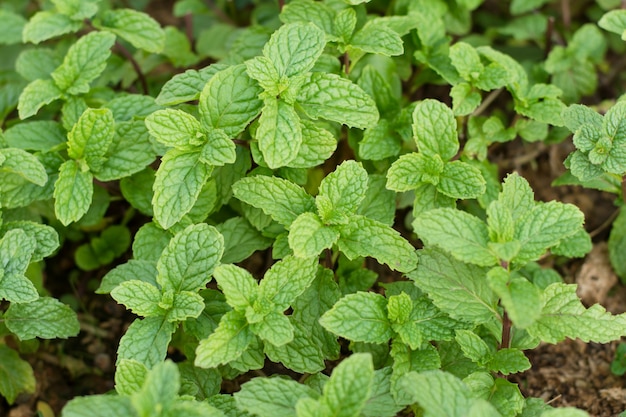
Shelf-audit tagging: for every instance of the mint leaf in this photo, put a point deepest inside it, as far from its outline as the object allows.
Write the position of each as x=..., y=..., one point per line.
x=344, y=189
x=614, y=21
x=359, y=317
x=189, y=259
x=46, y=25
x=279, y=133
x=434, y=129
x=219, y=149
x=73, y=191
x=45, y=237
x=304, y=11
x=294, y=48
x=146, y=341
x=16, y=375
x=238, y=286
x=36, y=95
x=367, y=237
x=463, y=235
x=275, y=328
x=91, y=136
x=137, y=269
x=521, y=299
x=229, y=101
x=84, y=62
x=411, y=170
x=377, y=38
x=272, y=397
x=187, y=86
x=139, y=29
x=23, y=164
x=308, y=236
x=175, y=128
x=46, y=318
x=159, y=389
x=38, y=135
x=280, y=290
x=333, y=98
x=140, y=297
x=177, y=185
x=283, y=200
x=129, y=376
x=461, y=180
x=227, y=343
x=99, y=406
x=14, y=25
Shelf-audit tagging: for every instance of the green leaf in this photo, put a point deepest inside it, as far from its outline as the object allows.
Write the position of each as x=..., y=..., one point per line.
x=237, y=284
x=434, y=129
x=349, y=387
x=614, y=21
x=138, y=28
x=466, y=61
x=129, y=376
x=283, y=200
x=84, y=62
x=272, y=397
x=189, y=259
x=46, y=318
x=140, y=297
x=99, y=406
x=186, y=304
x=463, y=235
x=344, y=189
x=146, y=341
x=159, y=389
x=38, y=135
x=134, y=269
x=36, y=95
x=304, y=11
x=461, y=180
x=521, y=299
x=359, y=317
x=377, y=38
x=187, y=86
x=91, y=137
x=345, y=23
x=617, y=244
x=564, y=316
x=379, y=202
x=46, y=25
x=294, y=48
x=241, y=239
x=286, y=280
x=46, y=238
x=175, y=128
x=279, y=133
x=413, y=169
x=13, y=27
x=227, y=343
x=367, y=237
x=73, y=192
x=473, y=346
x=275, y=328
x=378, y=143
x=177, y=185
x=229, y=101
x=465, y=99
x=457, y=288
x=219, y=149
x=330, y=97
x=16, y=375
x=23, y=164
x=509, y=361
x=308, y=236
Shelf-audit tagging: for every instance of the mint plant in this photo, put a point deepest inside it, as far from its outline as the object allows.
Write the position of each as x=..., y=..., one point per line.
x=303, y=206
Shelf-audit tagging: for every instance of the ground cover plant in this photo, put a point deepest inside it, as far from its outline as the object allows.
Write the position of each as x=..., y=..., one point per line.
x=303, y=208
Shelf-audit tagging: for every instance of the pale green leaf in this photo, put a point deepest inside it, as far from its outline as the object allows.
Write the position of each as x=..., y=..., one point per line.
x=379, y=202
x=411, y=170
x=186, y=304
x=77, y=9
x=138, y=28
x=465, y=99
x=308, y=236
x=318, y=144
x=189, y=259
x=286, y=280
x=73, y=192
x=13, y=27
x=84, y=62
x=614, y=21
x=140, y=297
x=159, y=390
x=91, y=137
x=466, y=61
x=227, y=343
x=345, y=188
x=509, y=361
x=238, y=286
x=279, y=133
x=434, y=129
x=304, y=353
x=177, y=185
x=16, y=249
x=517, y=196
x=272, y=397
x=275, y=329
x=146, y=341
x=367, y=237
x=36, y=95
x=129, y=376
x=359, y=317
x=345, y=23
x=377, y=38
x=134, y=269
x=175, y=128
x=229, y=101
x=99, y=406
x=46, y=25
x=378, y=142
x=46, y=238
x=187, y=86
x=330, y=97
x=283, y=200
x=463, y=235
x=578, y=115
x=219, y=149
x=305, y=11
x=262, y=69
x=46, y=318
x=349, y=387
x=23, y=164
x=521, y=299
x=473, y=346
x=294, y=48
x=16, y=375
x=461, y=180
x=38, y=135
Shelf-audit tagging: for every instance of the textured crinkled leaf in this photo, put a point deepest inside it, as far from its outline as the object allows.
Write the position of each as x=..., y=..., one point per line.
x=279, y=133
x=330, y=97
x=46, y=318
x=177, y=185
x=359, y=317
x=304, y=11
x=219, y=149
x=434, y=129
x=379, y=143
x=466, y=61
x=140, y=297
x=349, y=387
x=425, y=323
x=189, y=259
x=379, y=202
x=564, y=316
x=367, y=237
x=345, y=187
x=146, y=341
x=617, y=244
x=175, y=128
x=73, y=192
x=412, y=169
x=46, y=25
x=294, y=48
x=226, y=343
x=272, y=397
x=318, y=144
x=304, y=353
x=237, y=284
x=283, y=200
x=16, y=375
x=12, y=30
x=286, y=280
x=345, y=23
x=77, y=9
x=457, y=288
x=545, y=226
x=46, y=238
x=509, y=361
x=16, y=249
x=17, y=192
x=461, y=180
x=309, y=236
x=187, y=86
x=99, y=406
x=473, y=346
x=460, y=233
x=201, y=383
x=262, y=69
x=576, y=245
x=517, y=196
x=36, y=95
x=159, y=390
x=521, y=299
x=129, y=376
x=38, y=135
x=91, y=137
x=186, y=304
x=229, y=100
x=138, y=28
x=241, y=239
x=377, y=38
x=23, y=164
x=275, y=329
x=84, y=62
x=465, y=99
x=37, y=63
x=126, y=107
x=614, y=21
